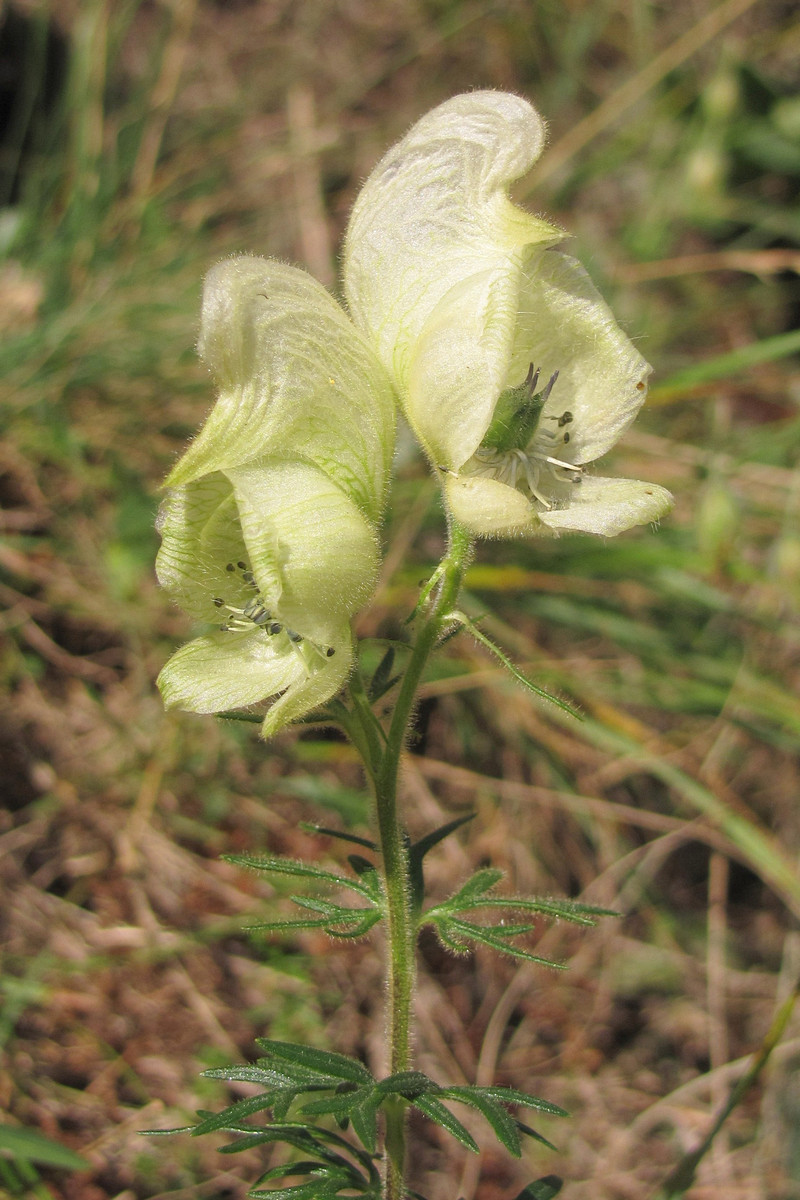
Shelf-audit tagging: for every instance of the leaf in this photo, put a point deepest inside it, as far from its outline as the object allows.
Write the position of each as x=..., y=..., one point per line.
x=537, y=1137
x=382, y=679
x=359, y=930
x=475, y=887
x=287, y=925
x=361, y=865
x=337, y=833
x=432, y=1108
x=504, y=1126
x=255, y=1073
x=340, y=1105
x=457, y=930
x=567, y=910
x=418, y=850
x=513, y=1096
x=542, y=1189
x=28, y=1145
x=323, y=1062
x=364, y=1118
x=362, y=919
x=408, y=1084
x=464, y=620
x=231, y=1117
x=290, y=866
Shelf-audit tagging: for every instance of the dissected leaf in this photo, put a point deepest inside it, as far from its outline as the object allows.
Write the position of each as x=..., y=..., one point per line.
x=537, y=1137
x=455, y=932
x=325, y=1063
x=432, y=1108
x=337, y=833
x=567, y=910
x=230, y=1117
x=542, y=693
x=508, y=1095
x=476, y=887
x=364, y=1118
x=291, y=866
x=418, y=850
x=382, y=679
x=408, y=1084
x=503, y=1124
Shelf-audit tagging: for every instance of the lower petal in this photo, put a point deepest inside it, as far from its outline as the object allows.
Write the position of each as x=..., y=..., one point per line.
x=609, y=506
x=222, y=671
x=314, y=689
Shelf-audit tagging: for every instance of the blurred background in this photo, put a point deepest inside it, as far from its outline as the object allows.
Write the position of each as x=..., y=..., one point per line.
x=142, y=140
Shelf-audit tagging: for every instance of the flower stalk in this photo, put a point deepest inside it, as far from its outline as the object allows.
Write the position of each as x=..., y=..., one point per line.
x=401, y=919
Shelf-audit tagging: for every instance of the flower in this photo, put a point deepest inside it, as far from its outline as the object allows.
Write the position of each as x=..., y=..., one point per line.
x=269, y=527
x=509, y=364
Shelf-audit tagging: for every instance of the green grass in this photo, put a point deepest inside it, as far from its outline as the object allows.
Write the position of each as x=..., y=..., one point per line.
x=674, y=164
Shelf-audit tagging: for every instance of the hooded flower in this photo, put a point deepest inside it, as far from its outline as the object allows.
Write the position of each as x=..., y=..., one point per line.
x=269, y=526
x=509, y=364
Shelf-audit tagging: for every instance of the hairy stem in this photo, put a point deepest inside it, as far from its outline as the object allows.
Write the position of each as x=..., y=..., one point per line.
x=394, y=850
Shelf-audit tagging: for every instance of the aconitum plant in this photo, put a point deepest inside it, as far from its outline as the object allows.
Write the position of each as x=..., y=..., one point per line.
x=515, y=378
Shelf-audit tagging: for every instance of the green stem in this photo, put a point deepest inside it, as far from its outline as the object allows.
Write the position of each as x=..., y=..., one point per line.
x=394, y=849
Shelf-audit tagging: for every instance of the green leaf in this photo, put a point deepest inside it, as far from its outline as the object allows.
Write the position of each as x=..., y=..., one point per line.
x=340, y=1105
x=466, y=930
x=361, y=865
x=364, y=1118
x=357, y=931
x=323, y=1062
x=432, y=1108
x=504, y=1126
x=334, y=915
x=566, y=910
x=382, y=679
x=336, y=833
x=28, y=1145
x=309, y=1140
x=537, y=1137
x=289, y=866
x=464, y=620
x=256, y=1073
x=509, y=1095
x=542, y=1189
x=476, y=887
x=417, y=852
x=408, y=1084
x=287, y=925
x=231, y=1117
x=419, y=849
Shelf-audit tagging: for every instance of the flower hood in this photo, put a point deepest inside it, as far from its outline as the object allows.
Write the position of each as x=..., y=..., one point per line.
x=269, y=526
x=509, y=364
